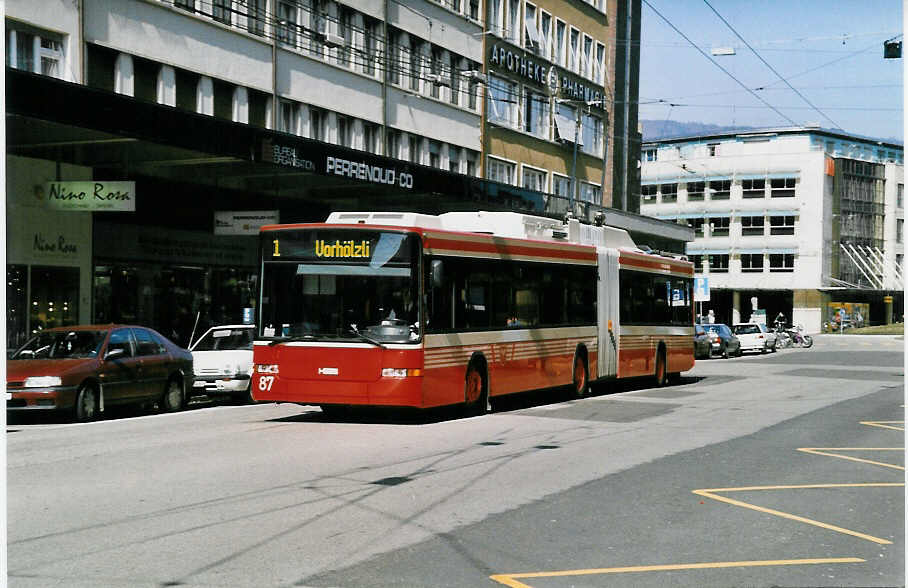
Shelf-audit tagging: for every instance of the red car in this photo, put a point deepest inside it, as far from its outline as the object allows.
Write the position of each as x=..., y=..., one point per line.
x=87, y=368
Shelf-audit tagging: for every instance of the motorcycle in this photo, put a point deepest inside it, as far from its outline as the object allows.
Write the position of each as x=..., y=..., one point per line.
x=783, y=337
x=798, y=337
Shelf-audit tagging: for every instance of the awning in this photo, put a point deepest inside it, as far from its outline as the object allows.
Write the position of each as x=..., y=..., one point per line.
x=782, y=175
x=782, y=213
x=707, y=251
x=567, y=129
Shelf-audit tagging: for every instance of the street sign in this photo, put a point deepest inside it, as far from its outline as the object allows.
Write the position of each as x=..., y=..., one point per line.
x=701, y=289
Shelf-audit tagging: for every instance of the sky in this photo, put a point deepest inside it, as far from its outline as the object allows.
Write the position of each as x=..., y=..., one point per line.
x=829, y=51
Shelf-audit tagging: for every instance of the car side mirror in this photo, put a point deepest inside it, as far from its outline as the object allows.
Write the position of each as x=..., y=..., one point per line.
x=437, y=273
x=114, y=353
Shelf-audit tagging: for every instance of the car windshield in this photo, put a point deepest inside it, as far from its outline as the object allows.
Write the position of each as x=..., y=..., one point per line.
x=62, y=345
x=220, y=339
x=718, y=329
x=747, y=330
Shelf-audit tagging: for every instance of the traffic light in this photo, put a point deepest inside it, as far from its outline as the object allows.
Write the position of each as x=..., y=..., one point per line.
x=892, y=49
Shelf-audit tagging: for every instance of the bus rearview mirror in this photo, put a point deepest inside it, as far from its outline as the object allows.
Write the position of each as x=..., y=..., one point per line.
x=437, y=273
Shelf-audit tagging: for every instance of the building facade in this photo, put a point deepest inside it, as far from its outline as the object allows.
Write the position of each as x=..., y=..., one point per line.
x=795, y=220
x=200, y=120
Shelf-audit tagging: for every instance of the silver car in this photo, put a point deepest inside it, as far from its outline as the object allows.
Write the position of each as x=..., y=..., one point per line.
x=755, y=337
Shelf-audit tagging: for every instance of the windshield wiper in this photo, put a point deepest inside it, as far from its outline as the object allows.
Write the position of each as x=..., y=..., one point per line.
x=291, y=339
x=366, y=338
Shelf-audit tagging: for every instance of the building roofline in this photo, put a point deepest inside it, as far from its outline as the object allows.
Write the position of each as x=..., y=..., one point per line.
x=813, y=130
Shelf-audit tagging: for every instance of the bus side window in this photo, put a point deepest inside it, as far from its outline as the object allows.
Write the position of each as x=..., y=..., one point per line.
x=439, y=298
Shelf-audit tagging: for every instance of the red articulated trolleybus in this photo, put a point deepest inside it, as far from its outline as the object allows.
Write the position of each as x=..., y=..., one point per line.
x=415, y=310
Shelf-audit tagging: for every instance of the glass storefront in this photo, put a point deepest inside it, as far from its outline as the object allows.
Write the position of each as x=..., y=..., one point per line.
x=51, y=295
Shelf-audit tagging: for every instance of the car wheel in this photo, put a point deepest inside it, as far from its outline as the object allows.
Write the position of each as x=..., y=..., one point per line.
x=244, y=397
x=725, y=352
x=172, y=401
x=86, y=408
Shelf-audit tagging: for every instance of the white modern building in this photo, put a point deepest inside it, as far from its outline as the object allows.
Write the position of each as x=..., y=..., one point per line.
x=791, y=220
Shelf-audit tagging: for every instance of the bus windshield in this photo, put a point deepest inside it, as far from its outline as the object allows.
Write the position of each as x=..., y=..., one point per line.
x=339, y=284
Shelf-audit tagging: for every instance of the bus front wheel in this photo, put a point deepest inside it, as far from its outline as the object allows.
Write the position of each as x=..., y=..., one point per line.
x=476, y=390
x=581, y=380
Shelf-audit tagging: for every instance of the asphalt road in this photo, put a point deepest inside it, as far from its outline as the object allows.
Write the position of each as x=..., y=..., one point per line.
x=770, y=470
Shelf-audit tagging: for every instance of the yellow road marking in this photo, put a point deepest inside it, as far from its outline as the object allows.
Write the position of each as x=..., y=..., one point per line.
x=885, y=424
x=511, y=579
x=825, y=451
x=709, y=493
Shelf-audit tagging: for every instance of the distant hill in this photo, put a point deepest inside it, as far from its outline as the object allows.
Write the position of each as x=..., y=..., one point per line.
x=654, y=130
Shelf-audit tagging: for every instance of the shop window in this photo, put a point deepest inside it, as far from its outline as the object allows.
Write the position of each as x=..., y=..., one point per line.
x=695, y=191
x=116, y=294
x=781, y=262
x=753, y=188
x=752, y=225
x=718, y=263
x=16, y=304
x=669, y=192
x=782, y=187
x=751, y=262
x=54, y=297
x=719, y=226
x=720, y=189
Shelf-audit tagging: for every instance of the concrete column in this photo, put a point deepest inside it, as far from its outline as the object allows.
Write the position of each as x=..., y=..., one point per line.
x=403, y=147
x=736, y=307
x=305, y=121
x=12, y=50
x=124, y=77
x=240, y=109
x=167, y=86
x=464, y=154
x=204, y=97
x=269, y=109
x=424, y=151
x=445, y=156
x=331, y=128
x=36, y=55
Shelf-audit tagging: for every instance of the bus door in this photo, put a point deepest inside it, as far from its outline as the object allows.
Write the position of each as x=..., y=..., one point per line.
x=607, y=308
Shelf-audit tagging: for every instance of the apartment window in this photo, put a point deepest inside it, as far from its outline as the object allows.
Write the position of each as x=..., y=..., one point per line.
x=697, y=225
x=899, y=259
x=413, y=144
x=591, y=134
x=648, y=193
x=565, y=124
x=782, y=187
x=899, y=229
x=434, y=154
x=415, y=63
x=900, y=196
x=501, y=171
x=753, y=188
x=287, y=116
x=599, y=64
x=502, y=98
x=220, y=11
x=436, y=66
x=471, y=163
x=781, y=225
x=545, y=34
x=751, y=262
x=453, y=159
x=718, y=263
x=531, y=38
x=392, y=144
x=781, y=262
x=574, y=49
x=536, y=114
x=752, y=225
x=454, y=78
x=317, y=118
x=185, y=4
x=473, y=94
x=286, y=23
x=20, y=53
x=345, y=31
x=561, y=185
x=255, y=16
x=696, y=190
x=370, y=137
x=397, y=53
x=496, y=21
x=590, y=193
x=669, y=192
x=719, y=226
x=474, y=9
x=697, y=260
x=650, y=155
x=558, y=48
x=533, y=179
x=514, y=29
x=344, y=131
x=720, y=189
x=370, y=48
x=587, y=57
x=712, y=149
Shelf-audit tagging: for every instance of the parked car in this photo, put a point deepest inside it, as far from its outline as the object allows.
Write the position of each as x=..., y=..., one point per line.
x=85, y=369
x=701, y=342
x=222, y=360
x=722, y=341
x=755, y=337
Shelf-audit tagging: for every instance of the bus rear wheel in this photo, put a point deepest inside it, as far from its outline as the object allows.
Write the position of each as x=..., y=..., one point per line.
x=661, y=373
x=581, y=380
x=476, y=390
